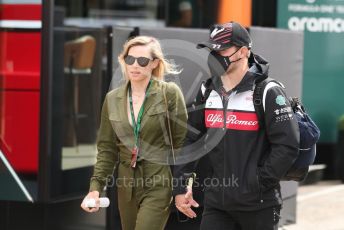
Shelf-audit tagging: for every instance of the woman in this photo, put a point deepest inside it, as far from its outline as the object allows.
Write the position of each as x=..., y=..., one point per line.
x=134, y=131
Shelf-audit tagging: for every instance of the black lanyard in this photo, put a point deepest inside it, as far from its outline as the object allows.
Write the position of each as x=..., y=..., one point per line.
x=137, y=124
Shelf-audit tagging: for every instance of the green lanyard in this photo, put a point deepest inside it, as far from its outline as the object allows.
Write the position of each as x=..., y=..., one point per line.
x=137, y=125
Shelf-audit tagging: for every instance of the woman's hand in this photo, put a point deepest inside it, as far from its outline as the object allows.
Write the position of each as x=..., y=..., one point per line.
x=91, y=195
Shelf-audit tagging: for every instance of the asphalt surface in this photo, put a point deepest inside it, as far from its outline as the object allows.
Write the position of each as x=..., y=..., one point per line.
x=320, y=207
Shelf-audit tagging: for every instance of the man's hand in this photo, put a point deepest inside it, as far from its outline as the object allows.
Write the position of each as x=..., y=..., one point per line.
x=91, y=195
x=184, y=202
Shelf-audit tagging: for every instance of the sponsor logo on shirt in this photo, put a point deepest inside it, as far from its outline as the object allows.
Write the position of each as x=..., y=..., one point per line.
x=284, y=117
x=283, y=110
x=234, y=120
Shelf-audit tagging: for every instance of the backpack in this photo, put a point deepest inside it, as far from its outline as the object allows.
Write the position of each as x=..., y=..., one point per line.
x=309, y=132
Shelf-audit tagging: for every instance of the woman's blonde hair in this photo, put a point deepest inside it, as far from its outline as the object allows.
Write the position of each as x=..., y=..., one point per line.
x=164, y=66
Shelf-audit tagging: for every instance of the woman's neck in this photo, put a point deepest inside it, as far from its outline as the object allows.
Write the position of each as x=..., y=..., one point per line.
x=139, y=87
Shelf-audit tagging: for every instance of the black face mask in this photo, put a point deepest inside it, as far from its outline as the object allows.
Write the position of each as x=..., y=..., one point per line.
x=219, y=64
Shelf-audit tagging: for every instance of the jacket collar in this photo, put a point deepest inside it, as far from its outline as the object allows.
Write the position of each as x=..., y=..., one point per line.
x=153, y=98
x=259, y=69
x=245, y=84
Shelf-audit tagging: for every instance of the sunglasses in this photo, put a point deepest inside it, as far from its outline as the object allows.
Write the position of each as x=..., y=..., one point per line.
x=142, y=61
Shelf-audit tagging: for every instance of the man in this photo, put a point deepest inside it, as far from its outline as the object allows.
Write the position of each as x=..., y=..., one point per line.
x=185, y=13
x=247, y=160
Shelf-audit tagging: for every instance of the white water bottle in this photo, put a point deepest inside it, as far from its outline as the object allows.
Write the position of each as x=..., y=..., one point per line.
x=104, y=202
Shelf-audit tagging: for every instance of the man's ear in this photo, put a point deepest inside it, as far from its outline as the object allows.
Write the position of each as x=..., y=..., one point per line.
x=244, y=51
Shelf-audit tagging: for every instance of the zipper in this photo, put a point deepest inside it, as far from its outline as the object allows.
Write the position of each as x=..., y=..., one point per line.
x=225, y=105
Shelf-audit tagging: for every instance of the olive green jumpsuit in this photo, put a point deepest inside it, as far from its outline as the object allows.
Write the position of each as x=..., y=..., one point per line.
x=144, y=192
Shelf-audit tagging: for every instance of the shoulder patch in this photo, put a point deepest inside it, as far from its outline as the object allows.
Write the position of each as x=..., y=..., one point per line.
x=280, y=100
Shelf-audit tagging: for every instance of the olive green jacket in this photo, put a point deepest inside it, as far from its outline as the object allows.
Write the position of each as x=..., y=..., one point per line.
x=116, y=136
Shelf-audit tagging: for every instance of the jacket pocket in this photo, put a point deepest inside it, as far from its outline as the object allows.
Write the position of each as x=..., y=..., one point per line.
x=259, y=186
x=115, y=117
x=118, y=124
x=157, y=109
x=156, y=123
x=249, y=184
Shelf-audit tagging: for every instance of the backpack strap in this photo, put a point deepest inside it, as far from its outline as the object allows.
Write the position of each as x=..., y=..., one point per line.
x=207, y=90
x=258, y=98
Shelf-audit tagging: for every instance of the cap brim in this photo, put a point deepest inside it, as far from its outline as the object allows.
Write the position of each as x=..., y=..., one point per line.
x=213, y=45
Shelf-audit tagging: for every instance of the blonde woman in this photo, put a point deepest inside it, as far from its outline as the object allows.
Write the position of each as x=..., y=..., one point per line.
x=134, y=131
